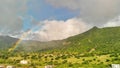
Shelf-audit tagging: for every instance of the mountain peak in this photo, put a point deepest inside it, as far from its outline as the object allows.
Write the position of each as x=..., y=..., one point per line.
x=95, y=27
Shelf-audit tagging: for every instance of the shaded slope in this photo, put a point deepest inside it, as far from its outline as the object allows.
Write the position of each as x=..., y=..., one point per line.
x=6, y=42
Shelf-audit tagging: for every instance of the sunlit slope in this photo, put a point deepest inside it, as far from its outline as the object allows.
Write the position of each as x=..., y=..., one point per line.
x=98, y=40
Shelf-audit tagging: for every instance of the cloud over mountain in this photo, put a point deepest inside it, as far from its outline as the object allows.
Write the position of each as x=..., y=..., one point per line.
x=57, y=30
x=114, y=22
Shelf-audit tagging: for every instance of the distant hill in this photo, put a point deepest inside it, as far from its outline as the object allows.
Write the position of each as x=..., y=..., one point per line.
x=95, y=40
x=7, y=42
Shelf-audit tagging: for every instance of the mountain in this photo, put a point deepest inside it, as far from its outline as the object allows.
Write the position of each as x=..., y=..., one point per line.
x=6, y=42
x=95, y=40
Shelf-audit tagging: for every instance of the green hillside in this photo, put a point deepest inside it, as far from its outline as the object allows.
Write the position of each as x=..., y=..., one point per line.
x=105, y=40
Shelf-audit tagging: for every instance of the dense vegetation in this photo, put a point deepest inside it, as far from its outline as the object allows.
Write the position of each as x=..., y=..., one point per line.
x=96, y=48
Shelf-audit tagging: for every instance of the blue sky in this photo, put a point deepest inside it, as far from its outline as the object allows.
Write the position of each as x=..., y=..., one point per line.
x=41, y=10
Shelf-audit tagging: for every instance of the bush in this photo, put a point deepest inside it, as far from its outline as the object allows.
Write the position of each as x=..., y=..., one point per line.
x=70, y=64
x=85, y=62
x=107, y=60
x=65, y=61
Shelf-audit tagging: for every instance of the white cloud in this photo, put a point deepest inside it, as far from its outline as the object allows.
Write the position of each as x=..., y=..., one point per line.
x=96, y=12
x=57, y=30
x=113, y=23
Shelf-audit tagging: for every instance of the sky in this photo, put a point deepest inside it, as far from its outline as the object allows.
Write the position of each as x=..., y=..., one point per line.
x=56, y=19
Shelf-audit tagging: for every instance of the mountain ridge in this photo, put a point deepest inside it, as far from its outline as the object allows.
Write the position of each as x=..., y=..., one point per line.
x=102, y=39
